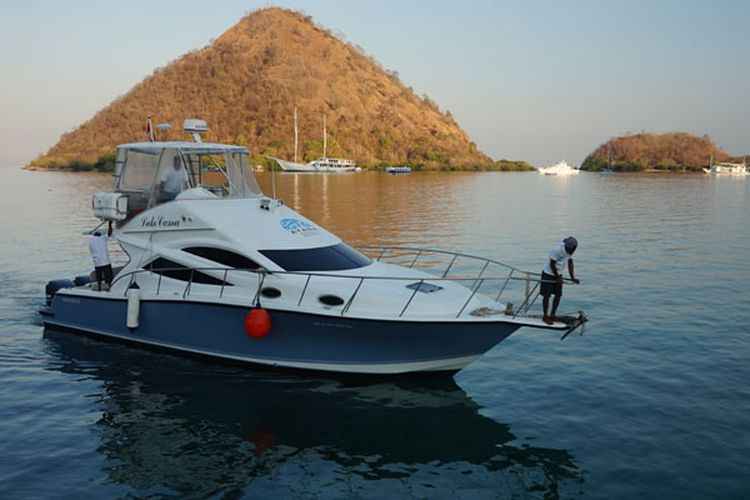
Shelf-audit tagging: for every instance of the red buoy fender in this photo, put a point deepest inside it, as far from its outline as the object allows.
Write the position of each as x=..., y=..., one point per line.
x=257, y=323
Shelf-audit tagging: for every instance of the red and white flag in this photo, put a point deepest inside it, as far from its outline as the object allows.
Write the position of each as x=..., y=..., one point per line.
x=150, y=131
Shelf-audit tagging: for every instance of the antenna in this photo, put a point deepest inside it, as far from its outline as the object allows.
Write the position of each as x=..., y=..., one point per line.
x=195, y=127
x=296, y=133
x=325, y=136
x=273, y=181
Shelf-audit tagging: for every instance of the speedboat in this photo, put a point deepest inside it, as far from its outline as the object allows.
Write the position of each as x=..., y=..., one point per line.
x=561, y=168
x=398, y=170
x=726, y=168
x=224, y=271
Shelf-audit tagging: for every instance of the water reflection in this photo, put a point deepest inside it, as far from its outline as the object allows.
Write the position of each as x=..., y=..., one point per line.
x=172, y=425
x=376, y=208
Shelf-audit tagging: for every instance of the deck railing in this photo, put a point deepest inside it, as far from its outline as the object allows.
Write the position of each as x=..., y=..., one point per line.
x=466, y=268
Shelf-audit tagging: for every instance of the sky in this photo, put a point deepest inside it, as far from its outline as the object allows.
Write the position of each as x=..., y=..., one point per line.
x=539, y=80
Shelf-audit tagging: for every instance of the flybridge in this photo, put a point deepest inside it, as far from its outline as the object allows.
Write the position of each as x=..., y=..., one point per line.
x=150, y=173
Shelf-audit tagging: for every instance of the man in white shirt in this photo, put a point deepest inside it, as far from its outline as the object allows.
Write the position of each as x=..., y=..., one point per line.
x=173, y=182
x=100, y=256
x=552, y=278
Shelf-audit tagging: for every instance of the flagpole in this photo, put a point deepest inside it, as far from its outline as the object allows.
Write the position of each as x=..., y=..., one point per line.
x=150, y=130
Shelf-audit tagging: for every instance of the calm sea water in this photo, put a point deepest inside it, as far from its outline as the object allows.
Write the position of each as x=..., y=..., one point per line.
x=652, y=401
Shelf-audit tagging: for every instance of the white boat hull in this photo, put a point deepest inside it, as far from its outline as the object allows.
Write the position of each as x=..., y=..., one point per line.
x=290, y=166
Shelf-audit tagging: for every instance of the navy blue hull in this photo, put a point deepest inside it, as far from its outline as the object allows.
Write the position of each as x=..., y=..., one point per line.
x=296, y=339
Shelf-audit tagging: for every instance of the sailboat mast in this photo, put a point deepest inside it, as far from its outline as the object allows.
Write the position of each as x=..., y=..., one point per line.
x=296, y=134
x=325, y=136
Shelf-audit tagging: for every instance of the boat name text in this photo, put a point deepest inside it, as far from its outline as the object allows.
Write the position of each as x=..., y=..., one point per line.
x=154, y=221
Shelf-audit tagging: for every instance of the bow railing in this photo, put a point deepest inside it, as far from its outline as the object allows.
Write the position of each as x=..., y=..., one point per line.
x=480, y=276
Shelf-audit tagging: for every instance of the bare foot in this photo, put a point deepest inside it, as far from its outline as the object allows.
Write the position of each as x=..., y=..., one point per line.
x=548, y=320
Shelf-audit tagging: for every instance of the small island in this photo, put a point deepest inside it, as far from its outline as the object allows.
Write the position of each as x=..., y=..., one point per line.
x=644, y=152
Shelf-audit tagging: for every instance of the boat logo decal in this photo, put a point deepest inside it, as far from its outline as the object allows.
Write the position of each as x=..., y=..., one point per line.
x=296, y=226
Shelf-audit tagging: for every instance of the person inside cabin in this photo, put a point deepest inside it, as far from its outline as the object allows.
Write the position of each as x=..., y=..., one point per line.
x=173, y=182
x=100, y=256
x=552, y=275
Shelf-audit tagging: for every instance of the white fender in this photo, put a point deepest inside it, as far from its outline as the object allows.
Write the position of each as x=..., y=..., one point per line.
x=134, y=307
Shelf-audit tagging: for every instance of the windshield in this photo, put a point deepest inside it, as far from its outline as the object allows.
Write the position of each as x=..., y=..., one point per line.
x=334, y=258
x=226, y=174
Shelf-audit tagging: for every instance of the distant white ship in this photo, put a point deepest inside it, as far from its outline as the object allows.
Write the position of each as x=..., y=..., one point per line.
x=323, y=164
x=561, y=168
x=318, y=165
x=726, y=168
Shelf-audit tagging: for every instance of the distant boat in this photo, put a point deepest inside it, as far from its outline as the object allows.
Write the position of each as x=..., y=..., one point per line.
x=398, y=170
x=561, y=168
x=318, y=165
x=323, y=164
x=726, y=168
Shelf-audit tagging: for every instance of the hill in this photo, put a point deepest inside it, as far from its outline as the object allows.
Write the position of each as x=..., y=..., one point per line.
x=676, y=151
x=246, y=85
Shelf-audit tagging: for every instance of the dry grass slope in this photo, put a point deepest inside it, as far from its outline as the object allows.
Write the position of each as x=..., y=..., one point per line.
x=673, y=151
x=246, y=85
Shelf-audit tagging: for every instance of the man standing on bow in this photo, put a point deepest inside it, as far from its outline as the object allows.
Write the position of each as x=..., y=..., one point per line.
x=552, y=278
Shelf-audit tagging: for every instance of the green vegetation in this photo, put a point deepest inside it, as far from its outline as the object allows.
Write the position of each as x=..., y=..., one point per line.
x=104, y=163
x=513, y=166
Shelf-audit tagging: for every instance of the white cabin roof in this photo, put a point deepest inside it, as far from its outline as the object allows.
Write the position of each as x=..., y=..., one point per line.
x=186, y=146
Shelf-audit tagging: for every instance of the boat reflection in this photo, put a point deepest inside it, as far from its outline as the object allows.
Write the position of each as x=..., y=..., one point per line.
x=170, y=425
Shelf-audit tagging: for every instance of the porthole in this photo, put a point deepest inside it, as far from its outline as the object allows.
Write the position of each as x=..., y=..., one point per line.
x=331, y=300
x=270, y=292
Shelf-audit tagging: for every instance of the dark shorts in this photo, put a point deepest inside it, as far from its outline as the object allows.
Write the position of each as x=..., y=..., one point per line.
x=104, y=273
x=550, y=286
x=168, y=196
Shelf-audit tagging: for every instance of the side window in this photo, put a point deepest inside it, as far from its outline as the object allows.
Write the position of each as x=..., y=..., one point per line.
x=334, y=258
x=179, y=272
x=139, y=170
x=224, y=257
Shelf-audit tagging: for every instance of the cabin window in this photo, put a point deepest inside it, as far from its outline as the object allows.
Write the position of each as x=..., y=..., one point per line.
x=334, y=258
x=139, y=170
x=224, y=257
x=179, y=272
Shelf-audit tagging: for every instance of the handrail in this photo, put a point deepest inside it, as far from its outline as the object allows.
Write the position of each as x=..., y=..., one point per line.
x=351, y=299
x=530, y=295
x=416, y=289
x=325, y=275
x=422, y=251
